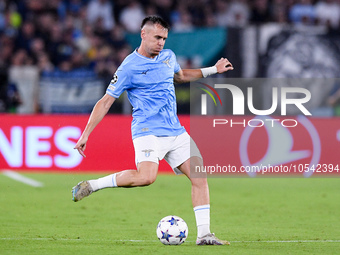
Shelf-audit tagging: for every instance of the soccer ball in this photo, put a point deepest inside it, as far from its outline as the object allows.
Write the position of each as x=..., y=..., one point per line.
x=172, y=230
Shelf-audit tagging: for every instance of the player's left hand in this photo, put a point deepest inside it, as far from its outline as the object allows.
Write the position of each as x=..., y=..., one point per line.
x=223, y=65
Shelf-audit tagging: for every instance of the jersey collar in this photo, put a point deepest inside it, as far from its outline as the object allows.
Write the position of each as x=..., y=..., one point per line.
x=141, y=56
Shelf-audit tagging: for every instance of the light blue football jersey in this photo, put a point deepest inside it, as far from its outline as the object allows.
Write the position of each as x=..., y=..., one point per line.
x=150, y=89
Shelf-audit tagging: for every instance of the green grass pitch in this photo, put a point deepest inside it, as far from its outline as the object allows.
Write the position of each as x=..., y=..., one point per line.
x=257, y=215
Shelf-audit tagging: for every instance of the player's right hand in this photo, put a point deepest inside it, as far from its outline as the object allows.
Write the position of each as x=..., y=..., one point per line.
x=81, y=145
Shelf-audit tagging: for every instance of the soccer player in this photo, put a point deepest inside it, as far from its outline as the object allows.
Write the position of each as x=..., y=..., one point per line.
x=148, y=75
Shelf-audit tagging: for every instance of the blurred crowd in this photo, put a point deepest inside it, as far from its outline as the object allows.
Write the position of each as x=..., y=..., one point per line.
x=69, y=34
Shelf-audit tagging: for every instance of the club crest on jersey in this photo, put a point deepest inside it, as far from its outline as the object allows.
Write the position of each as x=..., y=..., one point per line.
x=147, y=152
x=167, y=62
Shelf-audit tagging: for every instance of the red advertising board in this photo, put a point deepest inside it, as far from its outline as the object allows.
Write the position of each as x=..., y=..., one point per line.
x=45, y=142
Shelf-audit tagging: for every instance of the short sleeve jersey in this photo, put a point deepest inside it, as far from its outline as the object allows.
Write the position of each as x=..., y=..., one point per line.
x=150, y=89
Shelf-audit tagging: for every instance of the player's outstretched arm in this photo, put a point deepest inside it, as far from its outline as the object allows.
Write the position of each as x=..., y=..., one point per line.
x=188, y=75
x=99, y=111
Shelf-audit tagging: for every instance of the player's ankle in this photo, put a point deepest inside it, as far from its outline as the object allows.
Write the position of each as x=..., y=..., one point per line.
x=94, y=185
x=203, y=230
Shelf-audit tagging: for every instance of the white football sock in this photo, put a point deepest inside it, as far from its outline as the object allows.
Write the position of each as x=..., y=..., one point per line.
x=202, y=214
x=104, y=182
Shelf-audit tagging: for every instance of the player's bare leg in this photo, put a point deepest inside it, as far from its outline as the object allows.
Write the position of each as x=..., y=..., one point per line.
x=201, y=203
x=145, y=175
x=199, y=185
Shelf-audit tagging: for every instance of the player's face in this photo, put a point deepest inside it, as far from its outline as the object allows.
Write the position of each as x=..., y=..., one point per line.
x=154, y=37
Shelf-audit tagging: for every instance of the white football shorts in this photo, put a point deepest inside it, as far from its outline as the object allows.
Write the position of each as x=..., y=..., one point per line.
x=174, y=149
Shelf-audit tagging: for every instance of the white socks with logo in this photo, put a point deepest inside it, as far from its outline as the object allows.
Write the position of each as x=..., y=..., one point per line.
x=202, y=214
x=104, y=182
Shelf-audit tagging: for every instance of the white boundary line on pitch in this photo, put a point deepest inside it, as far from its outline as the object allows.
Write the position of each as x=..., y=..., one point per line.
x=263, y=241
x=289, y=241
x=20, y=178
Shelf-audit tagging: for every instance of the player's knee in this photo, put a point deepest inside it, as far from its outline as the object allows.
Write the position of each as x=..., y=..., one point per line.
x=199, y=182
x=147, y=172
x=148, y=180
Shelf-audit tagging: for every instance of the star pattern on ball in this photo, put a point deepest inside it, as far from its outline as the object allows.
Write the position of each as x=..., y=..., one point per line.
x=166, y=235
x=181, y=235
x=173, y=221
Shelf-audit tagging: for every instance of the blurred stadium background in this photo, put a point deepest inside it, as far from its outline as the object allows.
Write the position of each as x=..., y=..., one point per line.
x=58, y=56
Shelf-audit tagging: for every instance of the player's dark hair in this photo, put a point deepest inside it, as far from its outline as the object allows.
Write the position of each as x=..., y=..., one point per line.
x=154, y=19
